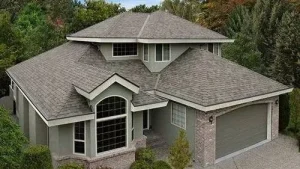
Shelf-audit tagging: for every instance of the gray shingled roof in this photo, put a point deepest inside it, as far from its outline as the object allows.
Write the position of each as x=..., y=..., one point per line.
x=157, y=25
x=198, y=76
x=203, y=78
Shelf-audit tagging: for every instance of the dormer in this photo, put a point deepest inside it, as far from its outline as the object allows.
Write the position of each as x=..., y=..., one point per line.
x=156, y=39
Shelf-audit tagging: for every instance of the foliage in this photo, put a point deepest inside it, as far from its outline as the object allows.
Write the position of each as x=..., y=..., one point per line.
x=37, y=157
x=140, y=164
x=187, y=9
x=180, y=154
x=144, y=9
x=71, y=166
x=11, y=142
x=284, y=112
x=294, y=124
x=145, y=154
x=161, y=165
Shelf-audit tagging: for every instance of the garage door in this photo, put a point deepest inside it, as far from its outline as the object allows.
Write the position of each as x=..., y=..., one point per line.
x=240, y=129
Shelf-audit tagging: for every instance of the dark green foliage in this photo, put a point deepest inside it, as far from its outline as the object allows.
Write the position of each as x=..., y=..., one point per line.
x=71, y=166
x=294, y=124
x=37, y=157
x=161, y=165
x=140, y=164
x=144, y=9
x=145, y=154
x=180, y=155
x=11, y=142
x=284, y=112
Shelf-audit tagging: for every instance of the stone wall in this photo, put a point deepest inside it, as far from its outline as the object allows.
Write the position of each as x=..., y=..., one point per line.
x=205, y=131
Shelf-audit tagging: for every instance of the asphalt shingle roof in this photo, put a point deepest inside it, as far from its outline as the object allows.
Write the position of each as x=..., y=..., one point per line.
x=203, y=78
x=157, y=25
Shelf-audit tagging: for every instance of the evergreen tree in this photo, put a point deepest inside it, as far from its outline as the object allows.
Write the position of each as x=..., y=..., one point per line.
x=294, y=124
x=144, y=9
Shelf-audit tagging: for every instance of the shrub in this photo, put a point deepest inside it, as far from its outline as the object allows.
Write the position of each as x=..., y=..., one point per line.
x=284, y=112
x=140, y=164
x=37, y=157
x=180, y=155
x=145, y=154
x=12, y=141
x=294, y=124
x=71, y=166
x=161, y=165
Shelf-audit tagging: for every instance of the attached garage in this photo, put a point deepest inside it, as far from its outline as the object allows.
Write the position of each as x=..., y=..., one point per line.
x=242, y=129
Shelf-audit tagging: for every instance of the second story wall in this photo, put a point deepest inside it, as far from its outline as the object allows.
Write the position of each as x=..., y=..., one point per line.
x=107, y=51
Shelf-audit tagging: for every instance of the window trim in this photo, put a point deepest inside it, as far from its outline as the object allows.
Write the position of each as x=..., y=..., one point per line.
x=112, y=118
x=144, y=52
x=137, y=51
x=148, y=120
x=184, y=128
x=218, y=53
x=170, y=52
x=83, y=141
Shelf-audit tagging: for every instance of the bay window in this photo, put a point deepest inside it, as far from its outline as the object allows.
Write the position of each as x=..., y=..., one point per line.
x=163, y=52
x=125, y=49
x=79, y=138
x=146, y=52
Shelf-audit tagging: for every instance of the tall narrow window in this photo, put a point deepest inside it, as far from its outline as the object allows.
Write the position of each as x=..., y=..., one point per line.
x=163, y=52
x=111, y=124
x=79, y=138
x=125, y=49
x=178, y=117
x=146, y=52
x=211, y=47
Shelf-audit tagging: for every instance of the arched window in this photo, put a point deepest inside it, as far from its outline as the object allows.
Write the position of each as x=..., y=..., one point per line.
x=111, y=124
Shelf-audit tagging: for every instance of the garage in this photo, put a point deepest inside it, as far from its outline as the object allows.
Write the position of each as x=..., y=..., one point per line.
x=240, y=129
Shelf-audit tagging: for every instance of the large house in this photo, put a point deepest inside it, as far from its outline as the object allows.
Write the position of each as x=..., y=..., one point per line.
x=91, y=99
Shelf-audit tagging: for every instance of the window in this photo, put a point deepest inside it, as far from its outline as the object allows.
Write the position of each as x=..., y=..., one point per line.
x=125, y=49
x=79, y=138
x=111, y=124
x=213, y=48
x=146, y=52
x=178, y=115
x=163, y=52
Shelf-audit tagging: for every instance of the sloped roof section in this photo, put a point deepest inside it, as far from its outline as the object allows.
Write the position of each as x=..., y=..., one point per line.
x=157, y=25
x=203, y=78
x=145, y=98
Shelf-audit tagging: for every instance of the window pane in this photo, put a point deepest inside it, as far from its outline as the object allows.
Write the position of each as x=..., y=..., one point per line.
x=211, y=47
x=178, y=115
x=79, y=131
x=216, y=49
x=125, y=49
x=166, y=52
x=79, y=147
x=111, y=134
x=158, y=52
x=111, y=106
x=146, y=55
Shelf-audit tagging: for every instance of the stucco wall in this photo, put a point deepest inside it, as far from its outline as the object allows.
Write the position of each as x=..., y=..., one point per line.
x=161, y=124
x=138, y=124
x=23, y=113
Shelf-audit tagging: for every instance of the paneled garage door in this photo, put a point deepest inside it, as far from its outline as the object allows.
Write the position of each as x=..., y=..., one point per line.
x=240, y=129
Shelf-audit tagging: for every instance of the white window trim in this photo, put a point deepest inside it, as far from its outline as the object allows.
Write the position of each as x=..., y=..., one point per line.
x=111, y=118
x=83, y=141
x=148, y=121
x=170, y=52
x=184, y=128
x=144, y=53
x=137, y=51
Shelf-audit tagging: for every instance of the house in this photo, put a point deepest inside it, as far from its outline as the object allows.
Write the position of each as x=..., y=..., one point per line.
x=91, y=98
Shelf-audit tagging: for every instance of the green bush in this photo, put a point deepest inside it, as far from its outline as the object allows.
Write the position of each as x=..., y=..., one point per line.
x=140, y=164
x=145, y=154
x=161, y=165
x=71, y=166
x=37, y=157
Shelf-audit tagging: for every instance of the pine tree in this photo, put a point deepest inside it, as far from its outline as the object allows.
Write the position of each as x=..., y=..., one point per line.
x=294, y=124
x=180, y=155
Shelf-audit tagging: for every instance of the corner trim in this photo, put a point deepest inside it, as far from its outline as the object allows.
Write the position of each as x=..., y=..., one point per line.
x=148, y=106
x=222, y=105
x=105, y=85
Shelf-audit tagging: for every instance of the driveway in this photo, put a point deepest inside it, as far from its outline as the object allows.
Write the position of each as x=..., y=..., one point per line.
x=281, y=153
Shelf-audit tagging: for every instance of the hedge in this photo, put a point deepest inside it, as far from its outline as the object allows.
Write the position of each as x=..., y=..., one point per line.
x=37, y=157
x=145, y=154
x=71, y=166
x=161, y=165
x=140, y=164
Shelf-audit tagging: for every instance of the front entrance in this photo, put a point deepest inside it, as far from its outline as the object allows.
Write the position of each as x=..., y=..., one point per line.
x=146, y=119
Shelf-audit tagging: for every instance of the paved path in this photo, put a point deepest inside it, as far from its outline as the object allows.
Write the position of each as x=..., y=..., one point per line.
x=281, y=153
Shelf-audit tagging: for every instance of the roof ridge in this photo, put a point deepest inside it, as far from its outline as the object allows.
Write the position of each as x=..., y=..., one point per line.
x=141, y=31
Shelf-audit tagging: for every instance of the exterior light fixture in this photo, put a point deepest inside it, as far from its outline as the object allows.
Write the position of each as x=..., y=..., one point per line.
x=211, y=119
x=277, y=101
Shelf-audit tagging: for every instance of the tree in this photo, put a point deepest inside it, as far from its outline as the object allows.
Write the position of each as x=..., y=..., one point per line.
x=286, y=67
x=94, y=12
x=187, y=9
x=11, y=142
x=294, y=124
x=144, y=9
x=180, y=154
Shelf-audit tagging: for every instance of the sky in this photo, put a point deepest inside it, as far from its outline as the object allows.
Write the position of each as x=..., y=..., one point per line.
x=131, y=3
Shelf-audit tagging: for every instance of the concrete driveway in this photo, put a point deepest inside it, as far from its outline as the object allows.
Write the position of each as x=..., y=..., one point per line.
x=281, y=153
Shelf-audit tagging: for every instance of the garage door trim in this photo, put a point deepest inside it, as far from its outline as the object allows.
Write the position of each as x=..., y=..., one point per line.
x=269, y=133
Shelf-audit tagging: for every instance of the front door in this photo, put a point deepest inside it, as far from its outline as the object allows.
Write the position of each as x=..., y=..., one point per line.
x=146, y=119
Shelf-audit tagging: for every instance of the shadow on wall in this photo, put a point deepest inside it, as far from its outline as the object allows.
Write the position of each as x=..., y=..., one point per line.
x=6, y=102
